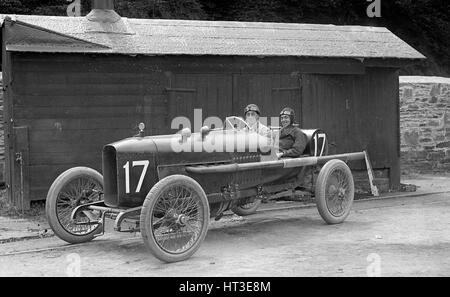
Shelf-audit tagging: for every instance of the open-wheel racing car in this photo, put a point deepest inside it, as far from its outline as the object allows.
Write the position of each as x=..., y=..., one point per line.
x=169, y=186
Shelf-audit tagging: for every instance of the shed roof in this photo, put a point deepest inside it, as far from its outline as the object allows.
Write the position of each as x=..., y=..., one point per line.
x=187, y=37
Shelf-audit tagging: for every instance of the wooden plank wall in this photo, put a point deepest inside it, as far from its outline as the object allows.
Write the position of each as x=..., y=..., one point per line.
x=2, y=135
x=7, y=108
x=75, y=104
x=271, y=92
x=210, y=92
x=357, y=112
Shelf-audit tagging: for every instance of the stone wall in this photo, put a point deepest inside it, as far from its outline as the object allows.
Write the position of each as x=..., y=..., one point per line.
x=425, y=124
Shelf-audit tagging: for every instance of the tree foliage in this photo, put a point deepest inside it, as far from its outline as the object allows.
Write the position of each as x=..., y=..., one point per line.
x=424, y=24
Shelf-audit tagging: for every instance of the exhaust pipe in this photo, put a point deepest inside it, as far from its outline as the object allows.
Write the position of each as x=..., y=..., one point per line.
x=283, y=163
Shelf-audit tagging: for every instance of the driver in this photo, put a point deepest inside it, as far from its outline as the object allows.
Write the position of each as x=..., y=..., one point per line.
x=252, y=113
x=292, y=140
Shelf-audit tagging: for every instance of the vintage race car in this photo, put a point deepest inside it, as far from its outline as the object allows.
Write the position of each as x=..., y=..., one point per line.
x=169, y=186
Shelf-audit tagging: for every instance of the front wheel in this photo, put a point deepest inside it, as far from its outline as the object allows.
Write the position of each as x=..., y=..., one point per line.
x=334, y=191
x=74, y=187
x=174, y=218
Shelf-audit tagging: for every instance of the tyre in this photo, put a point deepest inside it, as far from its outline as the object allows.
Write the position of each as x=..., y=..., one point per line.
x=174, y=218
x=334, y=191
x=74, y=187
x=247, y=208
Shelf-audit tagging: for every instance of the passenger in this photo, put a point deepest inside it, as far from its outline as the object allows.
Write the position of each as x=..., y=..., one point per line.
x=292, y=140
x=252, y=114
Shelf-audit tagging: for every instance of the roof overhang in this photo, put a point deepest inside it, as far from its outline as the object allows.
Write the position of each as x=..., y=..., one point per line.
x=372, y=45
x=24, y=37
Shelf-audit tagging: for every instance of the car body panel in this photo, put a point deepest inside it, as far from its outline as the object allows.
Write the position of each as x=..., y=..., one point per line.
x=132, y=166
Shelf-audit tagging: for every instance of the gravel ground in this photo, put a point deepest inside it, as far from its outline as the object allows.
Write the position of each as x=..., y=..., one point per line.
x=390, y=237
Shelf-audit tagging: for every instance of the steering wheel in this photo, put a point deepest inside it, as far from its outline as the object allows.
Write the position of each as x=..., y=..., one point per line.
x=235, y=123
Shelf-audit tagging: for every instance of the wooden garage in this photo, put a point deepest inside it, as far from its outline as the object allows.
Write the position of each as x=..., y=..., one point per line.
x=73, y=84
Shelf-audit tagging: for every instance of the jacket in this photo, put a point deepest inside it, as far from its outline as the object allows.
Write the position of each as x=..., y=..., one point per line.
x=292, y=141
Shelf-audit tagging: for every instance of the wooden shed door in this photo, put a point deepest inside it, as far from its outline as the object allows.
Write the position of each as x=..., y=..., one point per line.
x=327, y=103
x=271, y=92
x=222, y=95
x=211, y=93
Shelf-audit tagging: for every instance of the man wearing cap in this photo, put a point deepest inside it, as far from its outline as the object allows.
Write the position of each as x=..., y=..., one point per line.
x=292, y=141
x=252, y=113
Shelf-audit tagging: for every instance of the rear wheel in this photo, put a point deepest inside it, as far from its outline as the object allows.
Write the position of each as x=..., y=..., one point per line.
x=174, y=218
x=246, y=208
x=74, y=187
x=334, y=191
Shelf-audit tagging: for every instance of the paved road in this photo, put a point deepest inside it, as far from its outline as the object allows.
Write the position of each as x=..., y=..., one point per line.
x=391, y=237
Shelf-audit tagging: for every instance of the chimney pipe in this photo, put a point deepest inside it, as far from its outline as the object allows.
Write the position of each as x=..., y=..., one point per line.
x=103, y=12
x=103, y=4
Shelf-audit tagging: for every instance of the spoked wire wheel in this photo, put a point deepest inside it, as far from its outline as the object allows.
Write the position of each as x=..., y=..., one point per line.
x=174, y=218
x=247, y=208
x=74, y=187
x=335, y=191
